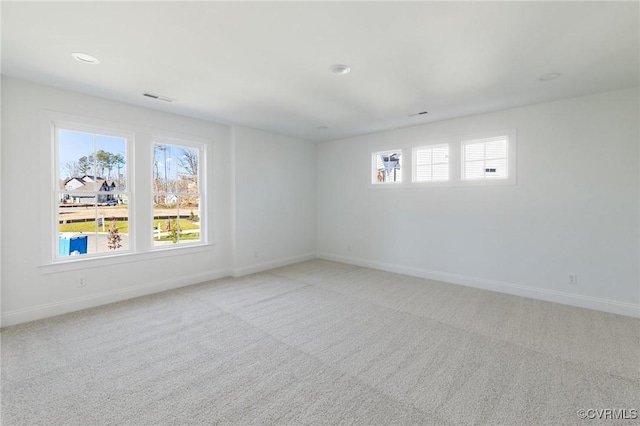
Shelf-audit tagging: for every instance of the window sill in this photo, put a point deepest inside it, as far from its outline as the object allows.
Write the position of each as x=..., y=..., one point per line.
x=388, y=185
x=116, y=259
x=448, y=184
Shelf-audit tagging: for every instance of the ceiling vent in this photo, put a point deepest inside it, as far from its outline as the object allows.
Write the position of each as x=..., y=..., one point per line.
x=158, y=97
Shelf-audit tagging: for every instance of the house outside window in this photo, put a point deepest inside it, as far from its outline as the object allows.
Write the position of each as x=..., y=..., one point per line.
x=387, y=167
x=120, y=191
x=92, y=194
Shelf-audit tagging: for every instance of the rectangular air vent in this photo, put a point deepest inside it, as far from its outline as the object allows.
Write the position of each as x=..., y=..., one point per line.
x=158, y=97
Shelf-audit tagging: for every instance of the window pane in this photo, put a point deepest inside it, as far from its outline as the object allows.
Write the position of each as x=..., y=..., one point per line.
x=113, y=228
x=486, y=159
x=175, y=168
x=388, y=167
x=76, y=227
x=423, y=156
x=432, y=163
x=165, y=217
x=474, y=151
x=111, y=158
x=176, y=212
x=164, y=168
x=423, y=164
x=441, y=155
x=84, y=228
x=75, y=157
x=189, y=208
x=170, y=221
x=423, y=172
x=92, y=183
x=474, y=169
x=178, y=222
x=496, y=149
x=440, y=172
x=187, y=167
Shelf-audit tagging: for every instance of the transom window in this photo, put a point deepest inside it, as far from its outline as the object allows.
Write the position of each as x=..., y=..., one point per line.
x=485, y=159
x=480, y=159
x=387, y=167
x=431, y=163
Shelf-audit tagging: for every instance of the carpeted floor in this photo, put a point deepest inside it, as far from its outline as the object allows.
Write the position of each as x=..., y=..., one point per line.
x=321, y=343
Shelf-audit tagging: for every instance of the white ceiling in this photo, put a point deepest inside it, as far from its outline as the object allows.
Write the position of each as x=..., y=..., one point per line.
x=265, y=64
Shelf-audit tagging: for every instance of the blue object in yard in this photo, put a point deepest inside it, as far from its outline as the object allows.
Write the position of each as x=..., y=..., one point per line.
x=71, y=242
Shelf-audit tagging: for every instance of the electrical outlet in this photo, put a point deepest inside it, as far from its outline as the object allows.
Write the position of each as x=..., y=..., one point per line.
x=255, y=254
x=82, y=281
x=573, y=279
x=348, y=248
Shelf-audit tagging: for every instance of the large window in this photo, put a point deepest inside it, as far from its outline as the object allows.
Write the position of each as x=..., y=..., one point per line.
x=92, y=191
x=177, y=217
x=99, y=211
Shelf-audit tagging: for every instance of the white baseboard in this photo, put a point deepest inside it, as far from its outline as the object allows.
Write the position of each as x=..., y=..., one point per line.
x=605, y=305
x=71, y=305
x=264, y=266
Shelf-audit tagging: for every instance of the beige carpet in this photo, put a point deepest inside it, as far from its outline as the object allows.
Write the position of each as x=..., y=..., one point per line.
x=321, y=343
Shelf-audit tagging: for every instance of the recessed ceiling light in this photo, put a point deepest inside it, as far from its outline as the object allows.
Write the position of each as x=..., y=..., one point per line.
x=339, y=69
x=549, y=77
x=85, y=58
x=322, y=128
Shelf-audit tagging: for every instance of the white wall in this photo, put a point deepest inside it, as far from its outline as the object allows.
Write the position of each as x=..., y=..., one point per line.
x=261, y=188
x=30, y=291
x=574, y=209
x=275, y=200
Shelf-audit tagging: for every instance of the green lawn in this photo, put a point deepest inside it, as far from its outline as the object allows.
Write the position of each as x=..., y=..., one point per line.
x=184, y=224
x=122, y=225
x=183, y=237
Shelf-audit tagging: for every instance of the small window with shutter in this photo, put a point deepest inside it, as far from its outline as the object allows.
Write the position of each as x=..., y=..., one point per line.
x=485, y=158
x=431, y=163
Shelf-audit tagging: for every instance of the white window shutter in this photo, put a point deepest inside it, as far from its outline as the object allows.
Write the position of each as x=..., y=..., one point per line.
x=432, y=163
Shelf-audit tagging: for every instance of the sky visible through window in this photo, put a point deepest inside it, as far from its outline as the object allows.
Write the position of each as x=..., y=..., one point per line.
x=173, y=164
x=73, y=146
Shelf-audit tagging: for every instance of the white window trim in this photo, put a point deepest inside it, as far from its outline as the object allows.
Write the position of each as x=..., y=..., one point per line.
x=455, y=161
x=511, y=158
x=414, y=162
x=139, y=212
x=404, y=172
x=119, y=258
x=103, y=130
